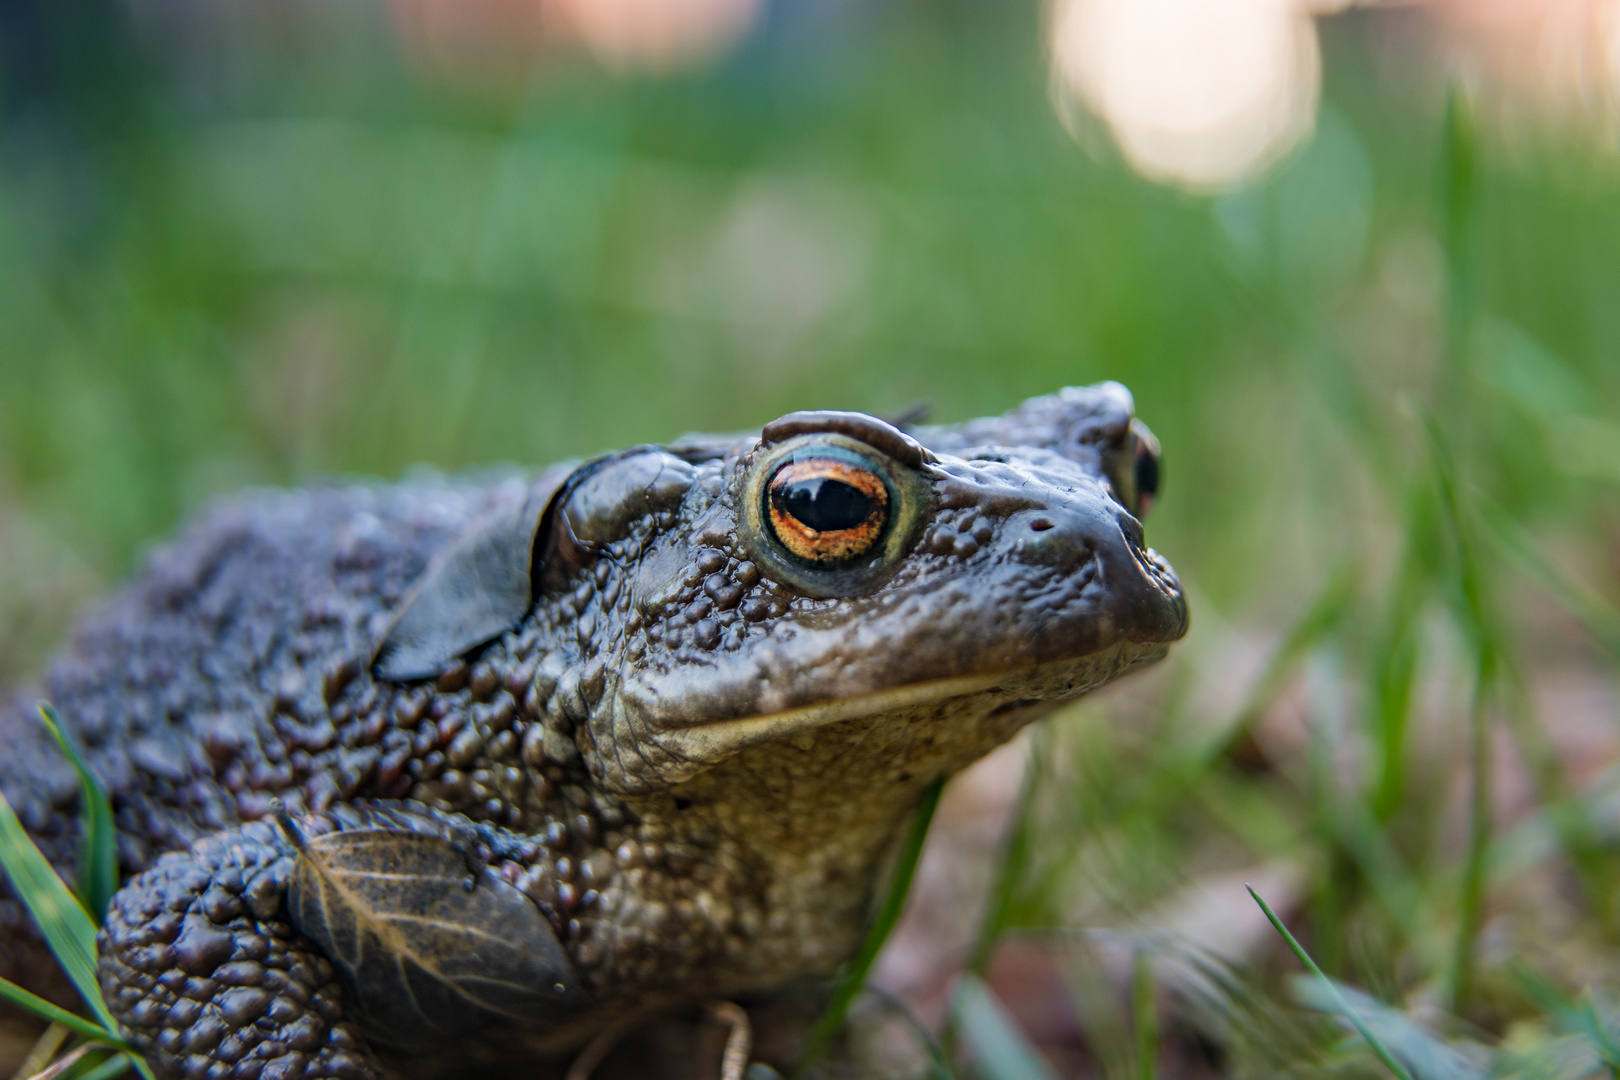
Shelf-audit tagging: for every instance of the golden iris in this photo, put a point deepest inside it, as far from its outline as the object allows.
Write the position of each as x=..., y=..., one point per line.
x=825, y=510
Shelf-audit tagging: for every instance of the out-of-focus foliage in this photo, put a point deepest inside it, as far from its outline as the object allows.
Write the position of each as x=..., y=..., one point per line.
x=250, y=244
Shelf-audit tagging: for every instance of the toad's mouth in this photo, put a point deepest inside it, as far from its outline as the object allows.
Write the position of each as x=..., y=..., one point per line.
x=1052, y=683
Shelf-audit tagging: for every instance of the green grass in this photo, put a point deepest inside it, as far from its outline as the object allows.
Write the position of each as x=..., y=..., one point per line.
x=1396, y=1068
x=1384, y=375
x=65, y=922
x=853, y=978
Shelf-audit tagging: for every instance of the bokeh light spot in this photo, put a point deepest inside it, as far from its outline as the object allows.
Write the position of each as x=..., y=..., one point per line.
x=496, y=40
x=658, y=35
x=1199, y=93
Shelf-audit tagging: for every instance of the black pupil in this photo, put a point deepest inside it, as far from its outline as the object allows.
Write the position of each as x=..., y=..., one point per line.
x=825, y=505
x=1147, y=471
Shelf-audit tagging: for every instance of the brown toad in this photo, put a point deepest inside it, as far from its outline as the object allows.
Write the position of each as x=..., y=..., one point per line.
x=640, y=731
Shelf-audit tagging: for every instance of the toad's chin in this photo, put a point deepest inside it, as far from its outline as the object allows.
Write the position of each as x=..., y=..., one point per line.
x=690, y=748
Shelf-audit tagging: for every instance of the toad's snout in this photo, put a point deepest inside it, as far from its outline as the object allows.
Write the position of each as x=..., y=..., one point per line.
x=1057, y=538
x=1093, y=538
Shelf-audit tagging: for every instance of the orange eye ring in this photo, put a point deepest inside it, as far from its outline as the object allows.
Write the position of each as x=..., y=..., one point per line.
x=826, y=514
x=827, y=511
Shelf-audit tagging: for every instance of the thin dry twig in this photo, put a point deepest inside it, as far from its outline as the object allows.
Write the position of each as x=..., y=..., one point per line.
x=44, y=1049
x=734, y=1062
x=62, y=1065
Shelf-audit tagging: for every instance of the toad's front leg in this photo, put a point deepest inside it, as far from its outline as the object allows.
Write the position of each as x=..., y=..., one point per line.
x=208, y=978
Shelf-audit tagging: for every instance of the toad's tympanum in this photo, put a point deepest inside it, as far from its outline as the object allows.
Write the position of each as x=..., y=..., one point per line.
x=433, y=777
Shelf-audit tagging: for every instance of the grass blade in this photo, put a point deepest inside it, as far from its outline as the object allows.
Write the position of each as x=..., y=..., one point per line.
x=62, y=919
x=1333, y=989
x=1144, y=1015
x=1600, y=618
x=1475, y=616
x=98, y=861
x=63, y=1065
x=113, y=1066
x=1425, y=1055
x=854, y=974
x=939, y=1067
x=44, y=1049
x=1009, y=875
x=1472, y=889
x=1014, y=861
x=37, y=1005
x=1326, y=611
x=1459, y=199
x=1579, y=1019
x=1002, y=1050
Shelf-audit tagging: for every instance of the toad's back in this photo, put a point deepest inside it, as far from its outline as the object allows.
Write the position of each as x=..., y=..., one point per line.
x=200, y=691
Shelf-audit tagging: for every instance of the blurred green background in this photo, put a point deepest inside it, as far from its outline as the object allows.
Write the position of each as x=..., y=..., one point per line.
x=252, y=244
x=243, y=246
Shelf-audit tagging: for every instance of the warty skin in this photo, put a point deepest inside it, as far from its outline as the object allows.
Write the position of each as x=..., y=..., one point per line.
x=610, y=685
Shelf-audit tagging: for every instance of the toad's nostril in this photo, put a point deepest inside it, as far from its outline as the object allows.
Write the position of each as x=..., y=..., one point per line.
x=1041, y=524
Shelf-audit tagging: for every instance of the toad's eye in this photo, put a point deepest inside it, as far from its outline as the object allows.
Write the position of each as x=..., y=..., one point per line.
x=1145, y=468
x=826, y=510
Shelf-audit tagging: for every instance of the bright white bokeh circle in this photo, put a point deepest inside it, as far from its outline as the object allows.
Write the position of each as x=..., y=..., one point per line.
x=1199, y=93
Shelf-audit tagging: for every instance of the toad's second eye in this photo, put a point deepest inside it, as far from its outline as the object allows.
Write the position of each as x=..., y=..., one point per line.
x=826, y=510
x=1146, y=468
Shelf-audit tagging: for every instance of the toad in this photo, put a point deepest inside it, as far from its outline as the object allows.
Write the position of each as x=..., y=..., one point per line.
x=447, y=776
